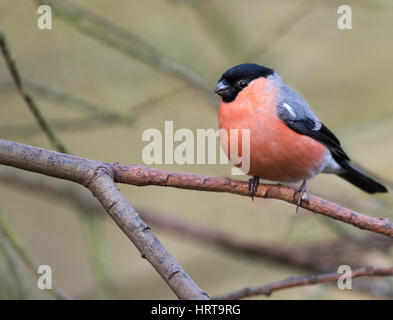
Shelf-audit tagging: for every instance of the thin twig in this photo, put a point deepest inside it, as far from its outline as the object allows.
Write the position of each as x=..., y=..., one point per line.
x=71, y=101
x=33, y=266
x=99, y=118
x=128, y=43
x=283, y=28
x=267, y=290
x=98, y=251
x=218, y=25
x=62, y=125
x=61, y=98
x=14, y=267
x=31, y=103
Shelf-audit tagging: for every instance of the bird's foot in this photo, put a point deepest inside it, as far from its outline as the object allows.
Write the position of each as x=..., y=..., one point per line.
x=253, y=184
x=301, y=194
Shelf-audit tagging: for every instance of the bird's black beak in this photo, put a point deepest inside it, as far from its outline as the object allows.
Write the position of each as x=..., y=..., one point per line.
x=222, y=88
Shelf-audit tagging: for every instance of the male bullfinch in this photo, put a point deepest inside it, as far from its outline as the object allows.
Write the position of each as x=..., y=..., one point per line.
x=288, y=143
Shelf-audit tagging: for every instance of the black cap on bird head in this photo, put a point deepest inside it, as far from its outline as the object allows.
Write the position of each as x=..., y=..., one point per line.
x=238, y=77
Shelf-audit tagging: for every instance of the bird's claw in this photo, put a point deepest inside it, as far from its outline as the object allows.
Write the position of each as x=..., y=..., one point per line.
x=253, y=184
x=301, y=194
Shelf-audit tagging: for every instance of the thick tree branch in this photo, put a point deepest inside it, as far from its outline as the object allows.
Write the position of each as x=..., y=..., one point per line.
x=267, y=290
x=142, y=176
x=98, y=178
x=105, y=190
x=77, y=169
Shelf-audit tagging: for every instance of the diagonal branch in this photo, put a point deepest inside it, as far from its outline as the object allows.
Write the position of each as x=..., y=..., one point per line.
x=15, y=243
x=104, y=189
x=14, y=268
x=31, y=103
x=268, y=289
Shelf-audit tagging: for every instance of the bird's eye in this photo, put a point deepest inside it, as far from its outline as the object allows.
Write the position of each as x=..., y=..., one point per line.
x=243, y=83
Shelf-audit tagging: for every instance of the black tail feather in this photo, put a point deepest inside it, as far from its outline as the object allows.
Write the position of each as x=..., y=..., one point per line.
x=361, y=180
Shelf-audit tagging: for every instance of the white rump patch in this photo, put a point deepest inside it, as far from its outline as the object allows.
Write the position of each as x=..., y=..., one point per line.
x=331, y=166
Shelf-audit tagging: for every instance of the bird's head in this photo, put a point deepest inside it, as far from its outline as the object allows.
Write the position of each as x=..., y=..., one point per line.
x=237, y=78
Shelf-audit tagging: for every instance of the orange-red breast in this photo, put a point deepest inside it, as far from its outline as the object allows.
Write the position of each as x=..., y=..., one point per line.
x=288, y=142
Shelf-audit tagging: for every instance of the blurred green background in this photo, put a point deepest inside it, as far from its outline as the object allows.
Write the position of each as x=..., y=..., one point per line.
x=346, y=76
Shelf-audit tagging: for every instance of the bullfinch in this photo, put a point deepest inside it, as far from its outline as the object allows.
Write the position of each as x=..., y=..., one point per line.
x=288, y=143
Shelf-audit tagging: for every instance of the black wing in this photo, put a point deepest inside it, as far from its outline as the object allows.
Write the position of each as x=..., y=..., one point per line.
x=315, y=130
